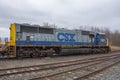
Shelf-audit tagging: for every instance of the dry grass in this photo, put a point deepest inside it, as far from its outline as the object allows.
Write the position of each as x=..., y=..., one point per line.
x=115, y=48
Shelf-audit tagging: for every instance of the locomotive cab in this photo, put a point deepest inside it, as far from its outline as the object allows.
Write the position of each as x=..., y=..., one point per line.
x=101, y=39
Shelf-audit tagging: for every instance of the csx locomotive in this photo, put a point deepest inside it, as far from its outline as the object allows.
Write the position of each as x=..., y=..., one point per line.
x=33, y=40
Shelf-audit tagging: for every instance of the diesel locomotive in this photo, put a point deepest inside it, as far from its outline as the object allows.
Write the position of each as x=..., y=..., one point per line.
x=33, y=40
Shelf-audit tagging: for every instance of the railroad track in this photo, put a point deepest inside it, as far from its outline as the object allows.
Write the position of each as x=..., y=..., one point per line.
x=96, y=71
x=47, y=69
x=82, y=73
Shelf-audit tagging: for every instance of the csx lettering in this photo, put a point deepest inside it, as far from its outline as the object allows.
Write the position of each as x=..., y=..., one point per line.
x=64, y=37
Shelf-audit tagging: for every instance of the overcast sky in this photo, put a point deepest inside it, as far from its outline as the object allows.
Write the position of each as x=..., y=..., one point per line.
x=64, y=13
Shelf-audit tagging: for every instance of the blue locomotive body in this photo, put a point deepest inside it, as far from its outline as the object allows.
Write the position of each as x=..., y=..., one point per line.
x=63, y=38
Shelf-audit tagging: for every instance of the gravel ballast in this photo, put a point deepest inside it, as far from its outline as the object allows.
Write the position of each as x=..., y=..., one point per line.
x=112, y=73
x=11, y=63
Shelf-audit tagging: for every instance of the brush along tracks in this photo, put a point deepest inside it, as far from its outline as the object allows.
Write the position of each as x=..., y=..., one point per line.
x=57, y=70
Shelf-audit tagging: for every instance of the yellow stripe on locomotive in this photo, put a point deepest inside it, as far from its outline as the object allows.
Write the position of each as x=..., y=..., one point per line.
x=12, y=42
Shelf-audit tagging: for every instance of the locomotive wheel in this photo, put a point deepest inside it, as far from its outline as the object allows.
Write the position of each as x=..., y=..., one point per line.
x=57, y=50
x=20, y=55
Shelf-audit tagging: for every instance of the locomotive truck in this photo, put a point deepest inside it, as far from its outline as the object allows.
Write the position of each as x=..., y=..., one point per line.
x=33, y=40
